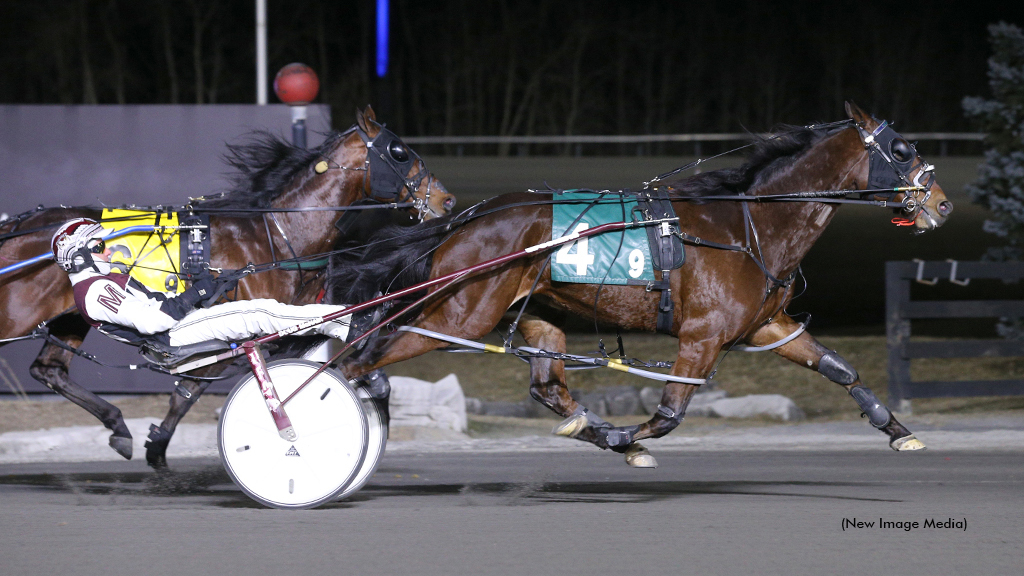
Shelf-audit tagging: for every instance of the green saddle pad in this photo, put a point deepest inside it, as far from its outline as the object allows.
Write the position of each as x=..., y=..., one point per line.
x=619, y=257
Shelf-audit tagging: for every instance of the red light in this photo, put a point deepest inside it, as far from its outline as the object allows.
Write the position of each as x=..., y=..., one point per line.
x=296, y=84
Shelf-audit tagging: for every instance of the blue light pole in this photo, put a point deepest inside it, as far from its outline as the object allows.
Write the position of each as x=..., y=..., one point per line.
x=383, y=13
x=381, y=88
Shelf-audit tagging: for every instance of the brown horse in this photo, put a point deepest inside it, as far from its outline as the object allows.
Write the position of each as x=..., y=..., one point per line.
x=272, y=174
x=722, y=297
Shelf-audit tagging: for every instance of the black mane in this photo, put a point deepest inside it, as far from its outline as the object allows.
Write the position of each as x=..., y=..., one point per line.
x=264, y=165
x=394, y=258
x=767, y=156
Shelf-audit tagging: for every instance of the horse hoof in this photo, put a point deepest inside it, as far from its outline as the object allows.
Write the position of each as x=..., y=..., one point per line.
x=156, y=455
x=122, y=445
x=907, y=444
x=638, y=457
x=571, y=426
x=156, y=446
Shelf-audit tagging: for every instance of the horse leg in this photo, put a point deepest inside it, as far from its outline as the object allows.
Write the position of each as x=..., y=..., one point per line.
x=387, y=350
x=51, y=368
x=186, y=394
x=695, y=359
x=547, y=376
x=806, y=351
x=547, y=386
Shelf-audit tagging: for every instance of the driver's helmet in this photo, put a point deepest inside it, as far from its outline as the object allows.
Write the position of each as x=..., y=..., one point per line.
x=81, y=236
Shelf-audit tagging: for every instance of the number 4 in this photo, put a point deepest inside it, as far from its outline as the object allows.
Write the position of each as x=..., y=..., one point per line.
x=582, y=258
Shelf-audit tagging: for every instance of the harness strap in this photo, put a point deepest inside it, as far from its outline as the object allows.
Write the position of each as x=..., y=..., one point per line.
x=666, y=412
x=529, y=352
x=287, y=242
x=378, y=206
x=800, y=330
x=698, y=241
x=30, y=336
x=667, y=251
x=270, y=239
x=748, y=229
x=195, y=247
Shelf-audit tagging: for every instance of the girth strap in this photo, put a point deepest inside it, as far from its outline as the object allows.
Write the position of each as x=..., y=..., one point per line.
x=667, y=251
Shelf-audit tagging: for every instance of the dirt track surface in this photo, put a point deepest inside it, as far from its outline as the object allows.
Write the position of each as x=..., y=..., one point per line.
x=532, y=513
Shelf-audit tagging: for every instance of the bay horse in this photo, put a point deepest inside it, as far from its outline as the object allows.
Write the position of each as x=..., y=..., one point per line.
x=722, y=297
x=271, y=174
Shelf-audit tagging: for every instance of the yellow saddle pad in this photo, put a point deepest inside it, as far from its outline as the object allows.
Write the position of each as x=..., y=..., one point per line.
x=152, y=258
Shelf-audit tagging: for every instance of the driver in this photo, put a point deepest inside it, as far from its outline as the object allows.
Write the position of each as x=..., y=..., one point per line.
x=122, y=308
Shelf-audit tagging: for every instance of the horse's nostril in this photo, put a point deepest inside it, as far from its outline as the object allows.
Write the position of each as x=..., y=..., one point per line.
x=449, y=203
x=945, y=207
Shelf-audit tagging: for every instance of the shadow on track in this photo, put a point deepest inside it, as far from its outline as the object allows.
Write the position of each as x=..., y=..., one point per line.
x=213, y=482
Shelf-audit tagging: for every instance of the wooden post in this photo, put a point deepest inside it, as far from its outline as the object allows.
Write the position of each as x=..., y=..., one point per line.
x=897, y=334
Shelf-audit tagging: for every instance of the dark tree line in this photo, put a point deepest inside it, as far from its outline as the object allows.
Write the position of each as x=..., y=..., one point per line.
x=520, y=67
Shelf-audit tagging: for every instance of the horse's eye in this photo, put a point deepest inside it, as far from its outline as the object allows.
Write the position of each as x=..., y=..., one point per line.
x=901, y=150
x=397, y=151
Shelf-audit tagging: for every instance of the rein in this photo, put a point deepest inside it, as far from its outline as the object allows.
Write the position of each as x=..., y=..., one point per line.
x=191, y=208
x=379, y=206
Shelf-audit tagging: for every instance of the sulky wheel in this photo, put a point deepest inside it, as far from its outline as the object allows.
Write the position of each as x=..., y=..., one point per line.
x=378, y=440
x=327, y=456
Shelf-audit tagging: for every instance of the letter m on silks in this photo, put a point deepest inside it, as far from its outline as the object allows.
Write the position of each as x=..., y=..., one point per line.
x=112, y=300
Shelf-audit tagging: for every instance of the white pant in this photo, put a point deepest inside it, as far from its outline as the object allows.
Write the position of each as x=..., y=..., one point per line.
x=244, y=319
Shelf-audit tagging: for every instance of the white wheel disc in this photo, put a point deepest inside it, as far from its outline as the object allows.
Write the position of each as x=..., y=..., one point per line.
x=329, y=421
x=378, y=440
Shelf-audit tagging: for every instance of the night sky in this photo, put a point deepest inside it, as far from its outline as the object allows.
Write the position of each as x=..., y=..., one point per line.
x=540, y=67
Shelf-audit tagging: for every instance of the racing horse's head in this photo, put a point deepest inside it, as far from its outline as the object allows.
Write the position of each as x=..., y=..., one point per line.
x=366, y=163
x=895, y=169
x=393, y=172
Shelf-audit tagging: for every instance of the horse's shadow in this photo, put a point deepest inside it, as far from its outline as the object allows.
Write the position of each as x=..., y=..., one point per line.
x=214, y=484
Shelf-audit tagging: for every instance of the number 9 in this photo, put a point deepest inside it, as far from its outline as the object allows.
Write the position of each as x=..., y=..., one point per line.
x=636, y=263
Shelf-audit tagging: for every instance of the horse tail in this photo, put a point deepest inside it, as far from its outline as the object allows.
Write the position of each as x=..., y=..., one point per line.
x=394, y=258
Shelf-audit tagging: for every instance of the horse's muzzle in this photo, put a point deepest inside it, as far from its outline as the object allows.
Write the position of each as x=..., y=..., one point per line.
x=930, y=219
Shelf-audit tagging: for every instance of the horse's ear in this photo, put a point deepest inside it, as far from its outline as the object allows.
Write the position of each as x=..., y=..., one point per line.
x=856, y=114
x=367, y=121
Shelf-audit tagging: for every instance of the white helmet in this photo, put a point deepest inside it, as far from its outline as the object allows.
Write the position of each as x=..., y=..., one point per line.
x=70, y=244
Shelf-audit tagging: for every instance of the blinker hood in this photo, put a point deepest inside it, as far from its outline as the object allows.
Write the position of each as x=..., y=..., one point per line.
x=885, y=170
x=390, y=162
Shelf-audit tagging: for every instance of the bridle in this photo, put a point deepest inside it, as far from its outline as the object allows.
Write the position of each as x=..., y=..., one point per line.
x=891, y=160
x=388, y=160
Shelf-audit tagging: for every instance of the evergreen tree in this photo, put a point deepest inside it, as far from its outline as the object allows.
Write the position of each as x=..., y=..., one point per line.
x=1000, y=183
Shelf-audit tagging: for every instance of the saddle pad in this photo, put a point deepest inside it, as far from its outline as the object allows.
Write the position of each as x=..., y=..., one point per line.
x=150, y=257
x=593, y=260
